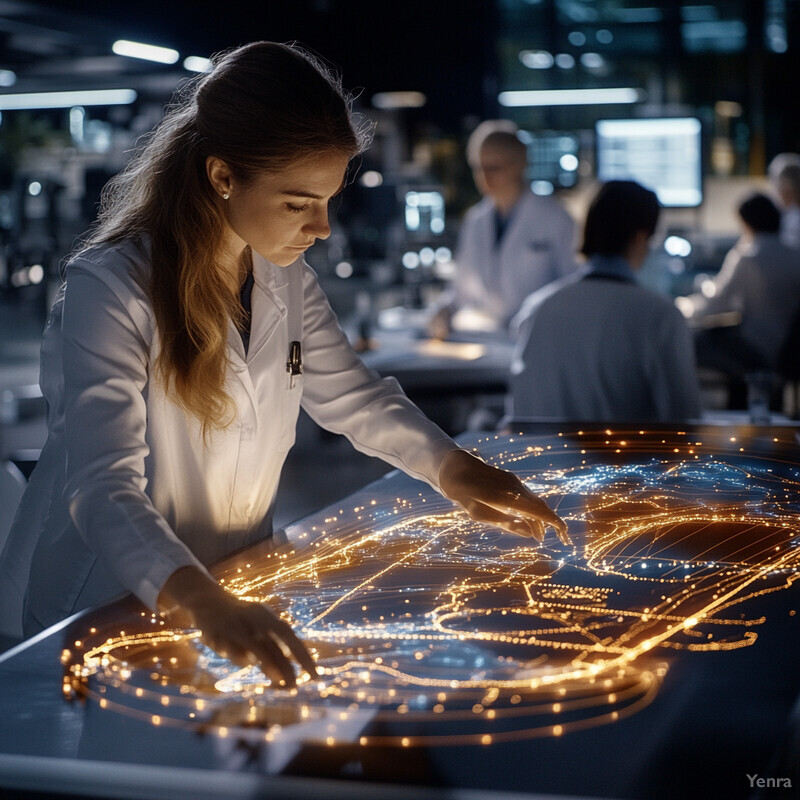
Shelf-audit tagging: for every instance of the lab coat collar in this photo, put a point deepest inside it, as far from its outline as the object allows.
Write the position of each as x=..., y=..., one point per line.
x=611, y=267
x=268, y=309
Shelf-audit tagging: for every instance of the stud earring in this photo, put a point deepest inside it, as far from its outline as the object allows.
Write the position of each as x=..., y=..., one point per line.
x=225, y=195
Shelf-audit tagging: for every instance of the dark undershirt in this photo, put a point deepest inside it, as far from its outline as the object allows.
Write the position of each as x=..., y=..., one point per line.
x=500, y=226
x=245, y=297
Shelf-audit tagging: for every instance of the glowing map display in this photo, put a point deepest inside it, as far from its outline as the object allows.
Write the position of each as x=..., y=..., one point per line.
x=429, y=628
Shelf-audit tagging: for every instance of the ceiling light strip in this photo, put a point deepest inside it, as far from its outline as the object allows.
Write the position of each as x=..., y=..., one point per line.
x=569, y=97
x=89, y=97
x=147, y=52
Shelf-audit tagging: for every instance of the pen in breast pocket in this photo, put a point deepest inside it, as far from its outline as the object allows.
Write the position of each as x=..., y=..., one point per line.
x=294, y=365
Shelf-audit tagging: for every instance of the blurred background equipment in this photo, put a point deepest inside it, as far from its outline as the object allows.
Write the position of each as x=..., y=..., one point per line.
x=693, y=99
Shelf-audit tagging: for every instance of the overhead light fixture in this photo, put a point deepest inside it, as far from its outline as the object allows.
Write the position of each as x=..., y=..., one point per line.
x=390, y=100
x=90, y=97
x=537, y=59
x=148, y=52
x=197, y=64
x=7, y=77
x=569, y=97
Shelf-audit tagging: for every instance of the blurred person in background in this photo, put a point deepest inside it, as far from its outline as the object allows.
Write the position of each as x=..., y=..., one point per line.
x=784, y=172
x=509, y=244
x=755, y=295
x=597, y=346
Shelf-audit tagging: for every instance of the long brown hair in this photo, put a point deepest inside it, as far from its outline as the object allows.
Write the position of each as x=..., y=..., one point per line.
x=263, y=107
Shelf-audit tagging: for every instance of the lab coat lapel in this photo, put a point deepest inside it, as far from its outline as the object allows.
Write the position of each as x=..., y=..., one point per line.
x=517, y=232
x=268, y=304
x=484, y=229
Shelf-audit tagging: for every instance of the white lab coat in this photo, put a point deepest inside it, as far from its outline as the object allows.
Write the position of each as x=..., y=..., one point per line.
x=760, y=279
x=790, y=226
x=596, y=349
x=537, y=247
x=126, y=491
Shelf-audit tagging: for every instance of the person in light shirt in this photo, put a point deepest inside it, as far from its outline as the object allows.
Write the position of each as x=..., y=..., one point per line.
x=756, y=294
x=784, y=172
x=186, y=337
x=597, y=346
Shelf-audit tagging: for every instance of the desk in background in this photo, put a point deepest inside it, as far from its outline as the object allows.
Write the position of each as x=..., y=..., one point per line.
x=449, y=380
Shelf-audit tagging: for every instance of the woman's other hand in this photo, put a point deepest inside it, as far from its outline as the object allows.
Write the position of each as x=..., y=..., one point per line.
x=497, y=497
x=244, y=632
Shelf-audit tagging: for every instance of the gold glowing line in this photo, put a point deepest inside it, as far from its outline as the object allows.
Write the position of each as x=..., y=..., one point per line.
x=576, y=651
x=407, y=557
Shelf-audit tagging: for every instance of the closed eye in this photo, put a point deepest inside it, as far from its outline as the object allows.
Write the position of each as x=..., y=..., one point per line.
x=297, y=209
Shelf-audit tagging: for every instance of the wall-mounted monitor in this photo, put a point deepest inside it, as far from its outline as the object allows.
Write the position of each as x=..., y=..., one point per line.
x=665, y=155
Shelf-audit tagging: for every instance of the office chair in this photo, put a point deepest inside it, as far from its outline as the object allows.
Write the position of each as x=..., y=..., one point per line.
x=12, y=485
x=788, y=364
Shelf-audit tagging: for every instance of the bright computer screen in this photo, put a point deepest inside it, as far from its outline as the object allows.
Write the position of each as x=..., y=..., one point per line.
x=552, y=160
x=664, y=155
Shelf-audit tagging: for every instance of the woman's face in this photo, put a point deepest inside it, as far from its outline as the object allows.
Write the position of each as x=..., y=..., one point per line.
x=281, y=214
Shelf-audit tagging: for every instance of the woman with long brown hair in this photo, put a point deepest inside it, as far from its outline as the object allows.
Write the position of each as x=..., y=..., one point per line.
x=187, y=333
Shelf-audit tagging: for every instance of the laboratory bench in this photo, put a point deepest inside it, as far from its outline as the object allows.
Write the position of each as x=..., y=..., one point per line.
x=449, y=379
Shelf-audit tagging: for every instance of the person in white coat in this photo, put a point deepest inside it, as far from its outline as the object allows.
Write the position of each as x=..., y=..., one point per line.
x=187, y=334
x=512, y=242
x=596, y=346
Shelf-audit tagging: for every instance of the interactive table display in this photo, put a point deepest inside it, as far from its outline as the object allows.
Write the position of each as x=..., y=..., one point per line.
x=657, y=656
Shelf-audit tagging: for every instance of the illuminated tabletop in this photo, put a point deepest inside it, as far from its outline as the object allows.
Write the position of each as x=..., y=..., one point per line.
x=656, y=657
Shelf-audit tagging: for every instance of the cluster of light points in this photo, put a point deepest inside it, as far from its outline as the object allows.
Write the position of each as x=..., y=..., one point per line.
x=429, y=628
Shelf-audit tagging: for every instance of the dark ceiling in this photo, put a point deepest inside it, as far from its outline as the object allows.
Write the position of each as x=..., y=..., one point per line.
x=435, y=46
x=457, y=52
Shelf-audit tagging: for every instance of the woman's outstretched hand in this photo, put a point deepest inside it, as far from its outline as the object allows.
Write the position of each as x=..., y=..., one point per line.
x=246, y=633
x=497, y=497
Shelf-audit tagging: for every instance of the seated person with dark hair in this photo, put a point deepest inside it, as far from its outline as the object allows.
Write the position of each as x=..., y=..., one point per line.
x=759, y=285
x=596, y=346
